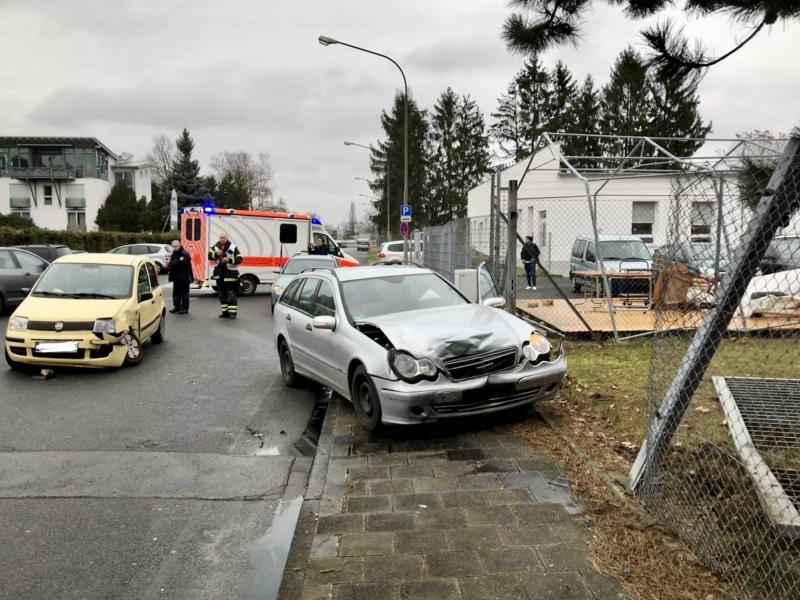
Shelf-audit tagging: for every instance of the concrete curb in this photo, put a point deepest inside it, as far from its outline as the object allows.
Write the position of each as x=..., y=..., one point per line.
x=319, y=470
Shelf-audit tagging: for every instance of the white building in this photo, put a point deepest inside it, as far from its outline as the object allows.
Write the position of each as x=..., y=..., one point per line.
x=61, y=183
x=553, y=208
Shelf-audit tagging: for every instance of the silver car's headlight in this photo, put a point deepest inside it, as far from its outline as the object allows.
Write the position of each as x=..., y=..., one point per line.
x=105, y=326
x=276, y=289
x=538, y=348
x=410, y=369
x=16, y=323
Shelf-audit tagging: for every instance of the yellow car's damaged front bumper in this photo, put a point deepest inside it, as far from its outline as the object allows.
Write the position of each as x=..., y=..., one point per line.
x=106, y=351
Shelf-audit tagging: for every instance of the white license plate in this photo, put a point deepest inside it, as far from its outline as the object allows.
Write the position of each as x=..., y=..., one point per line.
x=53, y=347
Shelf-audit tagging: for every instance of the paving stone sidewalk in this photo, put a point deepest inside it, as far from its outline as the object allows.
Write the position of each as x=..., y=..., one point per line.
x=475, y=515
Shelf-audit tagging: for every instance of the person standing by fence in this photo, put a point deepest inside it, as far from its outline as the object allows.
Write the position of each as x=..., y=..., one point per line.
x=530, y=258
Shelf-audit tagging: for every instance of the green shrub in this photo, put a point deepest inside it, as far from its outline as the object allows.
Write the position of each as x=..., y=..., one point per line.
x=91, y=241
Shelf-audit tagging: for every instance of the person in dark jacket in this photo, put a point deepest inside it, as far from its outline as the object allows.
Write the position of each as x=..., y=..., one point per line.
x=227, y=258
x=530, y=257
x=180, y=274
x=321, y=248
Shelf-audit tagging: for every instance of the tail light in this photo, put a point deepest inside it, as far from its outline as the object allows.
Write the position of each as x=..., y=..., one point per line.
x=381, y=255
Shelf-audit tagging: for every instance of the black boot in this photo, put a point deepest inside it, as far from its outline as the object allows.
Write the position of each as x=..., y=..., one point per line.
x=174, y=310
x=224, y=316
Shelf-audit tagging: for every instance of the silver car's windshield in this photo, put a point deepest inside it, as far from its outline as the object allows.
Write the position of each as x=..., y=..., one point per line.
x=86, y=281
x=389, y=295
x=295, y=267
x=623, y=249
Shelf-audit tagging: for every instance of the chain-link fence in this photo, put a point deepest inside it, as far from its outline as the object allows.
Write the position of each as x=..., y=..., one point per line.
x=721, y=464
x=447, y=247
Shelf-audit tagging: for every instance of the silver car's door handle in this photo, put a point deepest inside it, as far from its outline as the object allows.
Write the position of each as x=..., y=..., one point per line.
x=308, y=326
x=288, y=317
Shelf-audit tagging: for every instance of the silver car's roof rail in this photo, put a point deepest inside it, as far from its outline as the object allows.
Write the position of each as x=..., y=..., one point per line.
x=328, y=269
x=399, y=262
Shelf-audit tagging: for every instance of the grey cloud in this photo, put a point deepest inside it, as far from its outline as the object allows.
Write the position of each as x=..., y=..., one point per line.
x=449, y=55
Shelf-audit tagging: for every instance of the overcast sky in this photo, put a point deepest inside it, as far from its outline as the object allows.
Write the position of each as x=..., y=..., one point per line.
x=250, y=75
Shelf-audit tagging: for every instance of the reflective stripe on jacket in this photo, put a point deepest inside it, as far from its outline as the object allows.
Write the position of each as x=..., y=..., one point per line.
x=228, y=271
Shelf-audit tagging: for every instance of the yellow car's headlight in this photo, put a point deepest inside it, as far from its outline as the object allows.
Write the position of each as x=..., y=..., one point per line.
x=16, y=323
x=105, y=326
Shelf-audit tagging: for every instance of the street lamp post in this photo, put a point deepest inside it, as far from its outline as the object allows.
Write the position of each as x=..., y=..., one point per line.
x=388, y=204
x=326, y=41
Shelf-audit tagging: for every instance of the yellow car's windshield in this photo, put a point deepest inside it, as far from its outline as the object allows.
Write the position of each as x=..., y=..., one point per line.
x=76, y=280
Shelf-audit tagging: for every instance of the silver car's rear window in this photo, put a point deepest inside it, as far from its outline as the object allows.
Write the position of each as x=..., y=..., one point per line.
x=389, y=295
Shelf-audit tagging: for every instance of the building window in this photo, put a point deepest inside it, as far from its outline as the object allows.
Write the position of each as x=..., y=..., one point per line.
x=124, y=178
x=702, y=220
x=48, y=195
x=76, y=221
x=23, y=214
x=543, y=228
x=642, y=219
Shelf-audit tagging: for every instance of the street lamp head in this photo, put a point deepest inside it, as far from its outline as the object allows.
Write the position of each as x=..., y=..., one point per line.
x=348, y=143
x=326, y=41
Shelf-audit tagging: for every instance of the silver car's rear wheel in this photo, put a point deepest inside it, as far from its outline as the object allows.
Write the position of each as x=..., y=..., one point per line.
x=290, y=377
x=366, y=400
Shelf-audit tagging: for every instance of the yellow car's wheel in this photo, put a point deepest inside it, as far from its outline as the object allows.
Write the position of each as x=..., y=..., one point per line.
x=18, y=366
x=134, y=350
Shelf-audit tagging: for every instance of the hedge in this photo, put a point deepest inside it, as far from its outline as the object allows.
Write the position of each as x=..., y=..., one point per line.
x=90, y=241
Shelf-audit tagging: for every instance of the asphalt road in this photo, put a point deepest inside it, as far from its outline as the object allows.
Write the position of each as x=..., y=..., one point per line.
x=144, y=482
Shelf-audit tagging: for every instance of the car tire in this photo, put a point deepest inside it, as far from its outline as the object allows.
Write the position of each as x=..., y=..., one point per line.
x=248, y=285
x=19, y=366
x=135, y=351
x=290, y=376
x=365, y=399
x=574, y=285
x=273, y=308
x=159, y=268
x=161, y=333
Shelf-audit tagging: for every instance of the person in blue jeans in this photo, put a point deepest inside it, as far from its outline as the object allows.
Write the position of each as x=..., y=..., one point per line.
x=530, y=257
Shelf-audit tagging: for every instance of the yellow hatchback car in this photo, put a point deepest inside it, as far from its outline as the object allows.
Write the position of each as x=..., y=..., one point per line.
x=88, y=310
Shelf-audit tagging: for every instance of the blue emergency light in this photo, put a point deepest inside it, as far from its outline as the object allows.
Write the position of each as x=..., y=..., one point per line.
x=208, y=209
x=315, y=221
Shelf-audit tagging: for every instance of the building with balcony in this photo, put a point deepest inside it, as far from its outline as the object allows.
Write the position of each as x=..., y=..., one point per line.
x=61, y=183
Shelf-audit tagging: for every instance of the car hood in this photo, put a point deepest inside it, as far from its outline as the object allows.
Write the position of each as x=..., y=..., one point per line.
x=36, y=308
x=629, y=265
x=284, y=280
x=452, y=331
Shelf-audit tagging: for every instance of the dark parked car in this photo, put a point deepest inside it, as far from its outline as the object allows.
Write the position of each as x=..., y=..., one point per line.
x=19, y=272
x=49, y=252
x=783, y=254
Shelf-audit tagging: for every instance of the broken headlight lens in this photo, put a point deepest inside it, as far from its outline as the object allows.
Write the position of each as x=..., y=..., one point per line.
x=18, y=323
x=105, y=326
x=410, y=369
x=537, y=346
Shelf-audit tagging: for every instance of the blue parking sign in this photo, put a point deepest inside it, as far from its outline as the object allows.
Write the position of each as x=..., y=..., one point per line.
x=405, y=212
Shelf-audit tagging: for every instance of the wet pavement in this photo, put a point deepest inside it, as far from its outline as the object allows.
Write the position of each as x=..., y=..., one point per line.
x=460, y=510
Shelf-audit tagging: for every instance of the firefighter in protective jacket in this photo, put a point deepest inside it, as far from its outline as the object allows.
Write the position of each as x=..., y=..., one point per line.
x=227, y=259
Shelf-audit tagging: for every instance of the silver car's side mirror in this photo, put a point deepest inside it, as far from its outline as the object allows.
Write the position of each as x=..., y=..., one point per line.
x=325, y=322
x=495, y=302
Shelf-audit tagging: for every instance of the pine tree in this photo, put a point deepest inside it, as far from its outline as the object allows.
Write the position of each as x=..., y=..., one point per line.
x=186, y=173
x=564, y=95
x=232, y=192
x=460, y=156
x=506, y=131
x=389, y=156
x=536, y=97
x=122, y=211
x=626, y=103
x=586, y=119
x=675, y=113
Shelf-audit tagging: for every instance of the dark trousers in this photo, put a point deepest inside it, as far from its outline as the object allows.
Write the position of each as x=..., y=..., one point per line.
x=530, y=273
x=180, y=295
x=227, y=291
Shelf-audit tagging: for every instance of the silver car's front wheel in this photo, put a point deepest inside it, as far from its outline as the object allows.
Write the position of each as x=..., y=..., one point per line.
x=366, y=401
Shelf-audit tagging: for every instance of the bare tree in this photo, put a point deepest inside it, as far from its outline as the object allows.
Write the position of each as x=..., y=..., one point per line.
x=161, y=157
x=256, y=173
x=352, y=219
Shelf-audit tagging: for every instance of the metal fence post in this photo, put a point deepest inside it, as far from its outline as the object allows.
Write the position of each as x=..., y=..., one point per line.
x=780, y=200
x=511, y=263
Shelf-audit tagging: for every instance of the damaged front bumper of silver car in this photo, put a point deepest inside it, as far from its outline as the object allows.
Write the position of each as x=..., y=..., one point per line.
x=428, y=401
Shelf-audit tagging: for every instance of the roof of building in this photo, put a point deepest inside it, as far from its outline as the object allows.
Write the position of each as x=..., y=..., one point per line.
x=64, y=142
x=125, y=160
